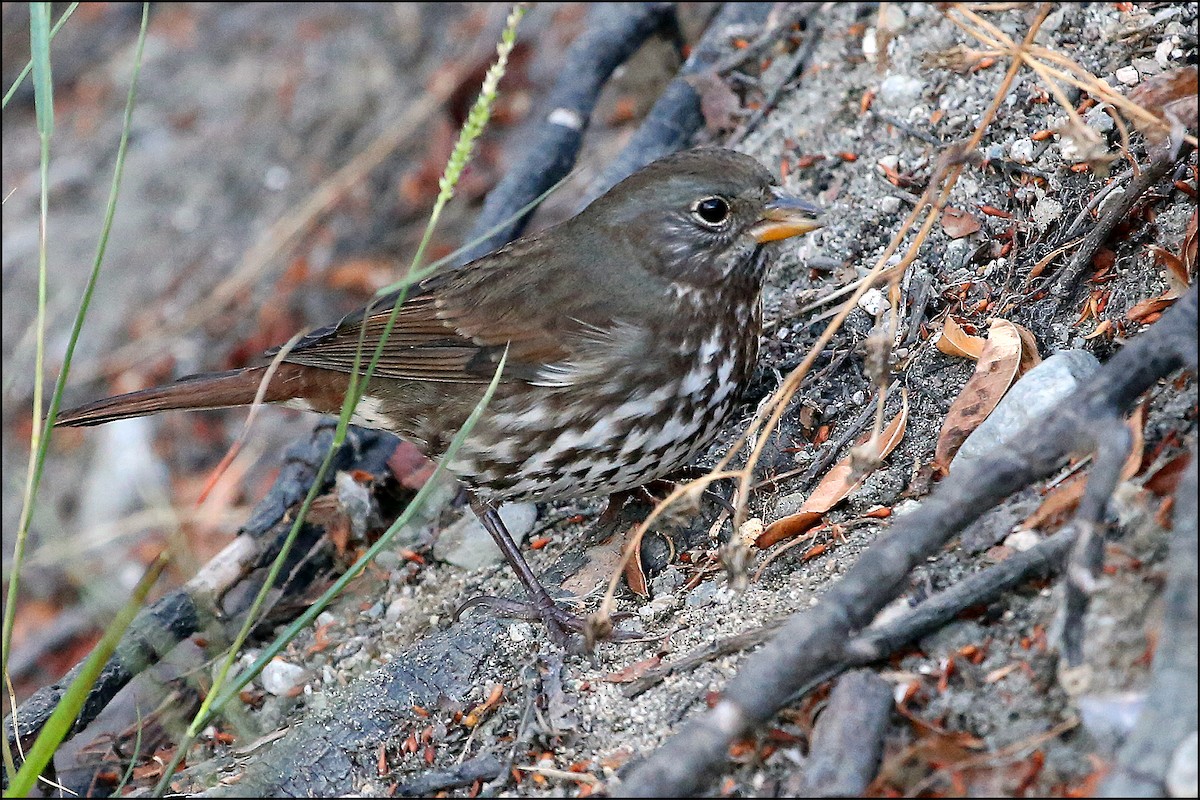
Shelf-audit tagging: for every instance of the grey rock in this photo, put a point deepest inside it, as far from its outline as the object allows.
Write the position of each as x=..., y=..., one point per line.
x=279, y=677
x=1109, y=718
x=468, y=545
x=1027, y=401
x=1181, y=773
x=702, y=595
x=666, y=581
x=899, y=90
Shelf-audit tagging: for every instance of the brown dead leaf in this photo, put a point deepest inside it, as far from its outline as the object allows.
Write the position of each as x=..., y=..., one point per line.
x=1170, y=96
x=410, y=466
x=1044, y=262
x=719, y=105
x=1166, y=478
x=1063, y=499
x=602, y=559
x=635, y=575
x=958, y=223
x=1030, y=357
x=632, y=672
x=955, y=341
x=1105, y=328
x=998, y=366
x=1144, y=309
x=840, y=481
x=787, y=527
x=363, y=275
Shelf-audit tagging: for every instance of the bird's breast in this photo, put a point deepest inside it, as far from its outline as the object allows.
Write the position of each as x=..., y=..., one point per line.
x=647, y=412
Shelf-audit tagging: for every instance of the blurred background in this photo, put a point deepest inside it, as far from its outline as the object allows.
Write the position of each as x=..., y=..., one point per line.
x=243, y=113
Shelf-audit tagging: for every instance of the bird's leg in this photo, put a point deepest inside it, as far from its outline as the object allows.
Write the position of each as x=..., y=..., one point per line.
x=540, y=605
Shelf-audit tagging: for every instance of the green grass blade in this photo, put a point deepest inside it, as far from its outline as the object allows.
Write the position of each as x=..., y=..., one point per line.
x=472, y=128
x=63, y=717
x=39, y=48
x=313, y=611
x=40, y=439
x=25, y=72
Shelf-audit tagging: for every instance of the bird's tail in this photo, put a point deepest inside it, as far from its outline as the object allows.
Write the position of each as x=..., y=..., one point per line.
x=212, y=390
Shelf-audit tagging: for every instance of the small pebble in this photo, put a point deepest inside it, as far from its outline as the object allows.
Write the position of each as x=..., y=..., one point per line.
x=1021, y=540
x=873, y=301
x=900, y=90
x=1046, y=211
x=278, y=676
x=1181, y=773
x=1162, y=53
x=1128, y=76
x=1021, y=150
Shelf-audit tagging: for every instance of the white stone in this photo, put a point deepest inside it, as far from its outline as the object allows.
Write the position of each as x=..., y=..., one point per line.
x=1181, y=773
x=1021, y=150
x=901, y=90
x=873, y=302
x=1128, y=76
x=279, y=677
x=1046, y=211
x=1021, y=540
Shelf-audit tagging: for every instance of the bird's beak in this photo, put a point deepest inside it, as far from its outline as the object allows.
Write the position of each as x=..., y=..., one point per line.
x=784, y=217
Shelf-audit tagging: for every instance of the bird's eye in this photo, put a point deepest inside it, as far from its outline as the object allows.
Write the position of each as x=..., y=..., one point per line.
x=712, y=211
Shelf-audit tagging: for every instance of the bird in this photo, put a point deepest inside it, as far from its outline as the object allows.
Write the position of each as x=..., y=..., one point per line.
x=627, y=331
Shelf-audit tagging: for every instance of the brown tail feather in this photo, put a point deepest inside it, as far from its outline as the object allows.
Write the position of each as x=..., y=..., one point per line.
x=213, y=390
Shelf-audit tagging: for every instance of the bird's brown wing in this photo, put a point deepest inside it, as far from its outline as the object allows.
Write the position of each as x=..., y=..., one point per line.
x=452, y=328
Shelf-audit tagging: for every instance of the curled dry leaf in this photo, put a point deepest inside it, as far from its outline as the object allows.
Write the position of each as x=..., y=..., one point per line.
x=1170, y=96
x=840, y=481
x=1030, y=357
x=1062, y=500
x=998, y=367
x=635, y=574
x=719, y=104
x=954, y=341
x=1143, y=309
x=958, y=223
x=634, y=671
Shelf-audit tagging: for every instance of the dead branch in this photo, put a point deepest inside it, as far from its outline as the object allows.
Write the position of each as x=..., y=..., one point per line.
x=847, y=741
x=1170, y=712
x=1159, y=167
x=676, y=116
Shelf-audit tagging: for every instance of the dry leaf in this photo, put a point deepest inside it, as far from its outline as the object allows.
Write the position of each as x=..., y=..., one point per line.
x=633, y=671
x=955, y=341
x=1166, y=478
x=1170, y=96
x=635, y=574
x=719, y=105
x=1044, y=262
x=1105, y=328
x=787, y=527
x=1063, y=499
x=957, y=223
x=840, y=481
x=1029, y=350
x=1151, y=305
x=994, y=374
